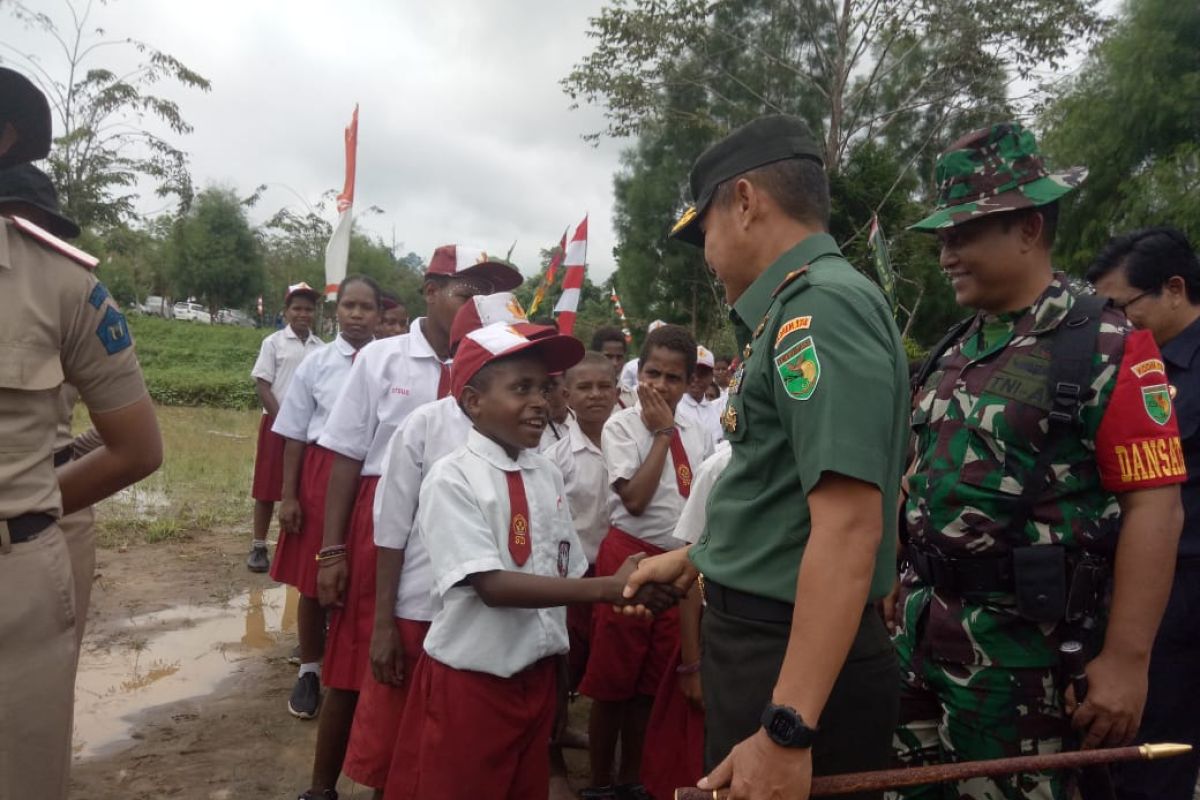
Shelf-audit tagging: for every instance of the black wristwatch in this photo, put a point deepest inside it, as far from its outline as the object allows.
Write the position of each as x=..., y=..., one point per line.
x=786, y=727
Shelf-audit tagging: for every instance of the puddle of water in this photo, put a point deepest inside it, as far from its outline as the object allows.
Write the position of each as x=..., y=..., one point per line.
x=142, y=500
x=171, y=655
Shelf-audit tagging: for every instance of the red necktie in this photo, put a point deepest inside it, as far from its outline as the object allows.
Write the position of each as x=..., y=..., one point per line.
x=519, y=544
x=444, y=382
x=683, y=470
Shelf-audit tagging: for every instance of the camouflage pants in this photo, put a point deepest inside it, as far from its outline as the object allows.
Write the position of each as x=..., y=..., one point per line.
x=962, y=712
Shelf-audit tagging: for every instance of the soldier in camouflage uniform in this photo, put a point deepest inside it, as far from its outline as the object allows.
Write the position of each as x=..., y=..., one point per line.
x=980, y=676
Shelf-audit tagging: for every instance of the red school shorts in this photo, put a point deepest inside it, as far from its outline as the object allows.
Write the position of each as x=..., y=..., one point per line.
x=673, y=755
x=295, y=557
x=268, y=463
x=348, y=643
x=377, y=716
x=474, y=736
x=628, y=655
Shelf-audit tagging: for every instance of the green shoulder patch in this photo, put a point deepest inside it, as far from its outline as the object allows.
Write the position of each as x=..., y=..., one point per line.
x=1157, y=400
x=799, y=369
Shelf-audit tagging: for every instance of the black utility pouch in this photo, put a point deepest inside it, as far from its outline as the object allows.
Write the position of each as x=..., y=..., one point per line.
x=1040, y=582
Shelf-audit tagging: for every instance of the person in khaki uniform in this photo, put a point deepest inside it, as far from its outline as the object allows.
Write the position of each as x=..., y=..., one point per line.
x=57, y=323
x=28, y=192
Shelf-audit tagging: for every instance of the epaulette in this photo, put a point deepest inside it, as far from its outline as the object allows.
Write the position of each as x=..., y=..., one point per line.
x=56, y=244
x=787, y=280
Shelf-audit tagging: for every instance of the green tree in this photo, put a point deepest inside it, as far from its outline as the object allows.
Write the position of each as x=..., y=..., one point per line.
x=104, y=146
x=882, y=84
x=1132, y=116
x=214, y=254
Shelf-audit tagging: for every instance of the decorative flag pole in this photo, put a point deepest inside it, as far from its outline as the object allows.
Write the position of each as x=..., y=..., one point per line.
x=621, y=316
x=883, y=263
x=575, y=261
x=551, y=272
x=337, y=252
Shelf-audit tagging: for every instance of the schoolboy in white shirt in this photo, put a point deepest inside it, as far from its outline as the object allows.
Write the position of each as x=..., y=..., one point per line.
x=649, y=451
x=494, y=519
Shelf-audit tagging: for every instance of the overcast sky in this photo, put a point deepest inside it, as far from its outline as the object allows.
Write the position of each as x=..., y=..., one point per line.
x=464, y=133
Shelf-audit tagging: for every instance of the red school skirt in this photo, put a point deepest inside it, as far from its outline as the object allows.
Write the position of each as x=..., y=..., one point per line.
x=628, y=655
x=673, y=755
x=377, y=716
x=295, y=561
x=268, y=463
x=348, y=643
x=474, y=736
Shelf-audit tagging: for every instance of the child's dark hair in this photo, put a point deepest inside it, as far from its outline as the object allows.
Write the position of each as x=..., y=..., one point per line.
x=607, y=334
x=590, y=359
x=674, y=338
x=728, y=359
x=365, y=280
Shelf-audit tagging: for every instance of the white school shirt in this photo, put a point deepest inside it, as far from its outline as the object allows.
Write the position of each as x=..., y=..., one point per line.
x=279, y=356
x=554, y=433
x=464, y=519
x=389, y=380
x=695, y=510
x=705, y=413
x=626, y=443
x=629, y=374
x=434, y=430
x=312, y=391
x=586, y=478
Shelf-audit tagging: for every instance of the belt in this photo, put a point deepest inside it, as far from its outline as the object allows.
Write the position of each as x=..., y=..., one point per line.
x=961, y=576
x=63, y=456
x=747, y=606
x=24, y=528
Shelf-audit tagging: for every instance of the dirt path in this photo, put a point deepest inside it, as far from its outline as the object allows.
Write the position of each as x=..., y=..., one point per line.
x=183, y=681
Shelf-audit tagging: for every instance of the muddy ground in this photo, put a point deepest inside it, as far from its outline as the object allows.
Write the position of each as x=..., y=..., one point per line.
x=184, y=680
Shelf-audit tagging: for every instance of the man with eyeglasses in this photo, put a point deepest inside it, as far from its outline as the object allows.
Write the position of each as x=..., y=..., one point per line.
x=1045, y=440
x=1153, y=275
x=389, y=379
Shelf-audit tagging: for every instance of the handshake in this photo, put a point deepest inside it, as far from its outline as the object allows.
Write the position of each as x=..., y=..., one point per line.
x=649, y=585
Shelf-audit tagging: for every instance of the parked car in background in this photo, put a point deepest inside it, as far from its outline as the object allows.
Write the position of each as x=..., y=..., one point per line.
x=156, y=306
x=193, y=312
x=231, y=316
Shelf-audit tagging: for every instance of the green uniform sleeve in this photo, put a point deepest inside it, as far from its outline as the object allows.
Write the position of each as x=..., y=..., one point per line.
x=834, y=376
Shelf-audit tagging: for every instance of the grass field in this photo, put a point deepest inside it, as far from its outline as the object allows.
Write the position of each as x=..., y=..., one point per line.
x=203, y=485
x=189, y=364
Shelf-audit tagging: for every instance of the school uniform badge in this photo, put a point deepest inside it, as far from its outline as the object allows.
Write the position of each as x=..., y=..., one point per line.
x=799, y=369
x=1157, y=400
x=564, y=558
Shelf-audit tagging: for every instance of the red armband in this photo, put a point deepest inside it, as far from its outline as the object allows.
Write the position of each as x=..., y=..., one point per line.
x=1137, y=445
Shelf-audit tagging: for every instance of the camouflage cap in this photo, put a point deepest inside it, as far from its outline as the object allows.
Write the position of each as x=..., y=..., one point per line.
x=992, y=170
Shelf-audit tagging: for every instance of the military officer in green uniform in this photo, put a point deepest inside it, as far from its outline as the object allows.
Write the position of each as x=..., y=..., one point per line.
x=1042, y=425
x=798, y=673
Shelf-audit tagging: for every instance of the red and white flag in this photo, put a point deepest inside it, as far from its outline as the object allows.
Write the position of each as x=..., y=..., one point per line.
x=575, y=260
x=551, y=273
x=621, y=316
x=337, y=252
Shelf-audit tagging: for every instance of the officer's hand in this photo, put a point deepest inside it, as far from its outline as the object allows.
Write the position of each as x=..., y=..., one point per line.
x=671, y=569
x=656, y=414
x=759, y=769
x=290, y=516
x=1112, y=710
x=331, y=582
x=387, y=655
x=889, y=608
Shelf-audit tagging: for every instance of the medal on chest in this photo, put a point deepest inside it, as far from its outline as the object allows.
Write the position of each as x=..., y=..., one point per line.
x=729, y=420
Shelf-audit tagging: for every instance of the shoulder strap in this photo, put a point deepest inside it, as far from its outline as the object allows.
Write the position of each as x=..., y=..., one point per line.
x=1072, y=355
x=938, y=350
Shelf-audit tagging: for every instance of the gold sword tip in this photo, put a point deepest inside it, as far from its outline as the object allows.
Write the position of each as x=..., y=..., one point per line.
x=1164, y=750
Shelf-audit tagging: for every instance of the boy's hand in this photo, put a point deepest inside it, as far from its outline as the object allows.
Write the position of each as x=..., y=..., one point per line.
x=290, y=516
x=689, y=686
x=620, y=578
x=387, y=655
x=331, y=582
x=671, y=571
x=656, y=414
